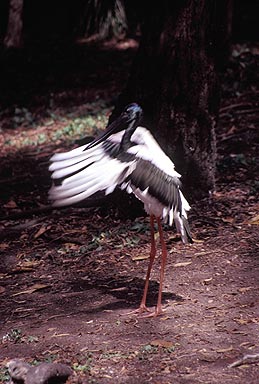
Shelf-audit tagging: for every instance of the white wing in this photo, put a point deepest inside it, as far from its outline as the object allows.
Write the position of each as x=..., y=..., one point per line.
x=148, y=149
x=83, y=172
x=156, y=182
x=143, y=169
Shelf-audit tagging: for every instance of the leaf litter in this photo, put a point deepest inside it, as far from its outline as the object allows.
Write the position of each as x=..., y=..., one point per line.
x=84, y=267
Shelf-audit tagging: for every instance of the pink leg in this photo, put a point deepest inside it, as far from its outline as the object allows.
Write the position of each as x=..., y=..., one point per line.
x=143, y=308
x=151, y=261
x=159, y=310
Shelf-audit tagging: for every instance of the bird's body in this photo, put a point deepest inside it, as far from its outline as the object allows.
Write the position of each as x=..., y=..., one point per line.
x=131, y=159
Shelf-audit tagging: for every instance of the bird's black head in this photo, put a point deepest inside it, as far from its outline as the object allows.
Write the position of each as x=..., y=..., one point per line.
x=133, y=112
x=129, y=118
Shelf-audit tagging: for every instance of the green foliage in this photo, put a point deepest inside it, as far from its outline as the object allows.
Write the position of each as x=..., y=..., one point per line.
x=85, y=365
x=140, y=227
x=81, y=367
x=22, y=116
x=153, y=349
x=50, y=358
x=4, y=375
x=14, y=335
x=80, y=126
x=147, y=350
x=32, y=339
x=87, y=122
x=115, y=355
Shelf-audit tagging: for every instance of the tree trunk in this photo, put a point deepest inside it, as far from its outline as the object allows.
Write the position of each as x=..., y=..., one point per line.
x=173, y=78
x=13, y=38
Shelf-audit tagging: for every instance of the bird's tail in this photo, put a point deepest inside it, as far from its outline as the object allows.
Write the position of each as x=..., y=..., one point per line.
x=181, y=221
x=80, y=173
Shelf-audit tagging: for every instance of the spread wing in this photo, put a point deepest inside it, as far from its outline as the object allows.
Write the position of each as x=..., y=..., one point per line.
x=82, y=172
x=143, y=169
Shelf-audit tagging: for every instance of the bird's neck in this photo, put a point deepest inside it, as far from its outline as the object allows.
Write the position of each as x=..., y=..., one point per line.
x=125, y=142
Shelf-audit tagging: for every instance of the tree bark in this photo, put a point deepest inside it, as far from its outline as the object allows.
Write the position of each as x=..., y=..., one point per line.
x=174, y=79
x=13, y=37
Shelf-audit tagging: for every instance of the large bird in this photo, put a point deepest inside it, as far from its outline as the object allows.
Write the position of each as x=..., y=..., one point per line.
x=125, y=155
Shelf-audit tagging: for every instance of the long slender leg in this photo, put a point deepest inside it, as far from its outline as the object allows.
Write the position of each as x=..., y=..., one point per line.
x=151, y=261
x=143, y=308
x=159, y=310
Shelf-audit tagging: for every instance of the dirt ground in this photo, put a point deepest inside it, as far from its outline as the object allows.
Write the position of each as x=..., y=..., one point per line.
x=68, y=277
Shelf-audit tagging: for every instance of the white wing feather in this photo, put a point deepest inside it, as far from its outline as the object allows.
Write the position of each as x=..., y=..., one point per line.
x=148, y=149
x=87, y=171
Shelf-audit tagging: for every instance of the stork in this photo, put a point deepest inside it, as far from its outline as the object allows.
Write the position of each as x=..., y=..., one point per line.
x=126, y=155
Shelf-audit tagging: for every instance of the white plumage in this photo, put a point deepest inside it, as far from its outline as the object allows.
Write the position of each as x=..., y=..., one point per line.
x=131, y=159
x=87, y=171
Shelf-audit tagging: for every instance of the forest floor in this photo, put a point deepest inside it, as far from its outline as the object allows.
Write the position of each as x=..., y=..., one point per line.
x=68, y=277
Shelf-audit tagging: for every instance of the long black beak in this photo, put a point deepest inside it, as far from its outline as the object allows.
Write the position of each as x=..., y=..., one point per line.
x=117, y=125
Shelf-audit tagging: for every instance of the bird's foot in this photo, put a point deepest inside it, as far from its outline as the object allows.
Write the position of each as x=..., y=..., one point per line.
x=141, y=309
x=145, y=312
x=157, y=312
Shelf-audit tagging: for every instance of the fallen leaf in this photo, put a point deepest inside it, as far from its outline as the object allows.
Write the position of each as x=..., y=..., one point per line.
x=244, y=289
x=254, y=220
x=3, y=275
x=239, y=333
x=162, y=343
x=208, y=356
x=228, y=219
x=197, y=241
x=176, y=265
x=4, y=246
x=32, y=289
x=243, y=321
x=10, y=204
x=42, y=230
x=119, y=289
x=61, y=335
x=201, y=253
x=223, y=350
x=140, y=257
x=26, y=266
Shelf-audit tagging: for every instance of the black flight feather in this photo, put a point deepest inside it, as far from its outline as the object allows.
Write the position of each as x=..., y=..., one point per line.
x=165, y=188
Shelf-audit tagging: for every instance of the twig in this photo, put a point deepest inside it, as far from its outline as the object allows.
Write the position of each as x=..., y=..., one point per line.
x=251, y=110
x=247, y=359
x=224, y=137
x=233, y=106
x=27, y=224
